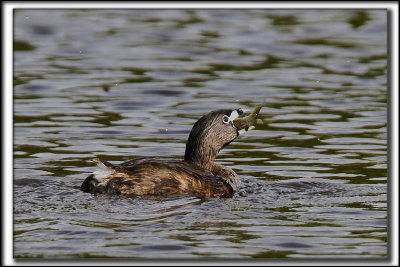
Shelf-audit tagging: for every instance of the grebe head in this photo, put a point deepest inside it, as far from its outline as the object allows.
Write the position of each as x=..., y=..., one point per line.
x=210, y=134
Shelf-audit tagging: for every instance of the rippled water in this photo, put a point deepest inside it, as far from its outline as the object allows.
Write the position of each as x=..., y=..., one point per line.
x=118, y=84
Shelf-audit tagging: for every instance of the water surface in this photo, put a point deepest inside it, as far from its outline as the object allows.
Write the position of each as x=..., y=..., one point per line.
x=118, y=84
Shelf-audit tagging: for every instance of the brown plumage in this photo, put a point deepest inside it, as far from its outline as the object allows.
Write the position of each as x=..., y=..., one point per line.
x=197, y=174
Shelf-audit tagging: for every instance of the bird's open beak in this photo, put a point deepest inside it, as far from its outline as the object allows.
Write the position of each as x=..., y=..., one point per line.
x=247, y=123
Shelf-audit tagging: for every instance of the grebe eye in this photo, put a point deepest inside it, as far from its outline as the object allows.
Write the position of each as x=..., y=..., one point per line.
x=225, y=119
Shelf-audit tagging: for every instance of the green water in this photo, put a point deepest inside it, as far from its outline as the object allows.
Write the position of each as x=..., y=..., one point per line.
x=118, y=84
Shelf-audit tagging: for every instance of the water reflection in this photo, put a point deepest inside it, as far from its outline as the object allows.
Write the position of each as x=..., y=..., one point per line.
x=118, y=84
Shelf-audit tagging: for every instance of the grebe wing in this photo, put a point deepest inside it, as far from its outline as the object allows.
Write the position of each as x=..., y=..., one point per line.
x=151, y=176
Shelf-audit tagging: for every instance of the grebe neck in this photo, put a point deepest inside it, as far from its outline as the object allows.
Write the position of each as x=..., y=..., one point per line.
x=201, y=154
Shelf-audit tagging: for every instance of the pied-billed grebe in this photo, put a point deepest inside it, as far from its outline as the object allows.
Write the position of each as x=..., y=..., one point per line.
x=197, y=174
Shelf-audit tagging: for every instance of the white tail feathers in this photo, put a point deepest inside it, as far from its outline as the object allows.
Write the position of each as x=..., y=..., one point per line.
x=103, y=172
